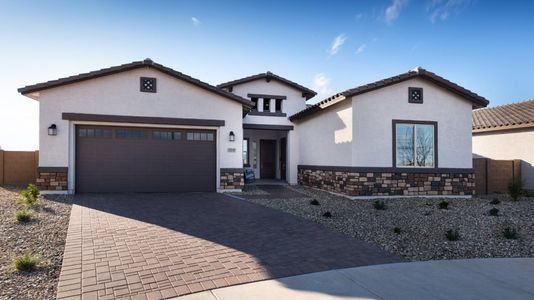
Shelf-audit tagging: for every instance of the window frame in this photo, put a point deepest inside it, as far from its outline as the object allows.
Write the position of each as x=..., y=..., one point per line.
x=248, y=152
x=394, y=142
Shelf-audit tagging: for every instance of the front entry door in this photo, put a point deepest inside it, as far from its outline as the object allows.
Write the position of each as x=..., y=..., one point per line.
x=268, y=159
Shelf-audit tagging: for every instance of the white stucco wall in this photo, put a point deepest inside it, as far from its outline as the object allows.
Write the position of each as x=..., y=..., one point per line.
x=326, y=137
x=516, y=144
x=374, y=111
x=119, y=94
x=293, y=104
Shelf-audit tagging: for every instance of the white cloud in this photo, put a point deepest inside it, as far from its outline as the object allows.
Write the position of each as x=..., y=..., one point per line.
x=440, y=10
x=195, y=21
x=321, y=84
x=392, y=12
x=361, y=48
x=337, y=43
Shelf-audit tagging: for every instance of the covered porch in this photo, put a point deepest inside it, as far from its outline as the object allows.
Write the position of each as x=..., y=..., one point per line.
x=267, y=153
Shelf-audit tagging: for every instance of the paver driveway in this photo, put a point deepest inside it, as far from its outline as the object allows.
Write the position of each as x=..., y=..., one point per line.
x=153, y=246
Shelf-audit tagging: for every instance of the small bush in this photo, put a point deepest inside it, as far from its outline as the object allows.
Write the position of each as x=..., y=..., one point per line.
x=397, y=230
x=515, y=189
x=33, y=190
x=23, y=215
x=327, y=214
x=510, y=233
x=495, y=201
x=314, y=202
x=452, y=235
x=379, y=205
x=28, y=198
x=494, y=212
x=443, y=205
x=26, y=262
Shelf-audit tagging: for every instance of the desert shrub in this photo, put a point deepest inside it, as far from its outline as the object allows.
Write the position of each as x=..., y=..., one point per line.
x=314, y=202
x=452, y=235
x=397, y=230
x=26, y=262
x=23, y=215
x=379, y=205
x=510, y=233
x=443, y=205
x=33, y=190
x=493, y=212
x=515, y=189
x=327, y=214
x=495, y=201
x=29, y=196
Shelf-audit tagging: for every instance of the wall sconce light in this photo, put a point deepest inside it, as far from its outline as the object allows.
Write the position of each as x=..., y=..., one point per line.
x=232, y=136
x=52, y=130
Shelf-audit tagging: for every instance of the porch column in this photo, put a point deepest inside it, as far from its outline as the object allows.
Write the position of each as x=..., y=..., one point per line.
x=292, y=156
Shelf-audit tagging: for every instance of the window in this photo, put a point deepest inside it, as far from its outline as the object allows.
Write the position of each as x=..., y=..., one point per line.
x=246, y=162
x=266, y=104
x=278, y=105
x=148, y=84
x=415, y=144
x=415, y=95
x=255, y=100
x=162, y=135
x=177, y=135
x=200, y=136
x=254, y=155
x=130, y=133
x=94, y=132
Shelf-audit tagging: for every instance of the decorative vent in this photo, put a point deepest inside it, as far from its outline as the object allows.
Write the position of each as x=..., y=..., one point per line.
x=415, y=95
x=148, y=84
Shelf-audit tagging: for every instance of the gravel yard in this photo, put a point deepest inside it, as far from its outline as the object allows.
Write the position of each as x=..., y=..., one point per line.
x=422, y=224
x=44, y=236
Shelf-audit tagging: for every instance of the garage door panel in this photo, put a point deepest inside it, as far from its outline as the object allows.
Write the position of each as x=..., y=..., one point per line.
x=134, y=161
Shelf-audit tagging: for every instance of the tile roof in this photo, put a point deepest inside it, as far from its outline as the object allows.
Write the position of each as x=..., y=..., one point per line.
x=478, y=101
x=306, y=92
x=508, y=116
x=130, y=66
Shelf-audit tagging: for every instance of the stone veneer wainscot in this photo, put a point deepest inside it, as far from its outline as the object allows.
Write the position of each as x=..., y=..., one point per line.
x=390, y=182
x=232, y=179
x=52, y=178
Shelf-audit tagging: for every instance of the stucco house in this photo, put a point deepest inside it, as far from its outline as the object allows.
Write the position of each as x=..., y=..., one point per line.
x=143, y=127
x=507, y=132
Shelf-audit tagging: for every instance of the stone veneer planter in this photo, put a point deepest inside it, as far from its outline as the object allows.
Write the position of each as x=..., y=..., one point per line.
x=52, y=178
x=354, y=182
x=232, y=179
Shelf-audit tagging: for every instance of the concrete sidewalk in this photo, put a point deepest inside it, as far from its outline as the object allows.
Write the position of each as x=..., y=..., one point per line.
x=507, y=278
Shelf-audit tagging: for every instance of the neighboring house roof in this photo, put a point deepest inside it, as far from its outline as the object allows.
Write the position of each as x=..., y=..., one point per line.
x=509, y=116
x=306, y=92
x=478, y=101
x=127, y=67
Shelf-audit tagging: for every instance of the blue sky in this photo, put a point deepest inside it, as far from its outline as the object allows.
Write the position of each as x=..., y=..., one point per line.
x=485, y=46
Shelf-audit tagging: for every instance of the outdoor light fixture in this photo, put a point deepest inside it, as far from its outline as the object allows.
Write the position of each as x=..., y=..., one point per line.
x=52, y=130
x=232, y=136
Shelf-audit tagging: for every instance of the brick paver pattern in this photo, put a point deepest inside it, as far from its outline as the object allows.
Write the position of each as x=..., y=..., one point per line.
x=157, y=246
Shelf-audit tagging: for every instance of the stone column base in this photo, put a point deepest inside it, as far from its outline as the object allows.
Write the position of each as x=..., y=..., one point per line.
x=232, y=179
x=52, y=178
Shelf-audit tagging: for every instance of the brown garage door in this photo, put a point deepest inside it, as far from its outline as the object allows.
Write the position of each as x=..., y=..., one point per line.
x=120, y=159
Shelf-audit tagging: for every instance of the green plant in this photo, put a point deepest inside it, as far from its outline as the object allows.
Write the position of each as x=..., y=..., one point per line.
x=379, y=205
x=452, y=235
x=314, y=202
x=397, y=230
x=515, y=189
x=495, y=201
x=26, y=262
x=493, y=212
x=510, y=233
x=33, y=190
x=27, y=198
x=327, y=214
x=443, y=205
x=23, y=215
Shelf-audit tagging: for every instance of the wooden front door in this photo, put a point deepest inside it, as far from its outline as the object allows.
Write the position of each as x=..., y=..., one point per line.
x=268, y=159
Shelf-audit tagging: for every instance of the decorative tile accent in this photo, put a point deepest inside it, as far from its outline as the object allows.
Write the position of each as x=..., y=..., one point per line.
x=232, y=179
x=388, y=183
x=415, y=95
x=148, y=84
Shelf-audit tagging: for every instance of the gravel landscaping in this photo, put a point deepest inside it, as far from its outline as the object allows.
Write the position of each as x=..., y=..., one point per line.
x=421, y=223
x=43, y=236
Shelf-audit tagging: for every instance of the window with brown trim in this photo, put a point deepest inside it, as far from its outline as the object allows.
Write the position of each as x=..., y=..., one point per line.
x=415, y=144
x=246, y=154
